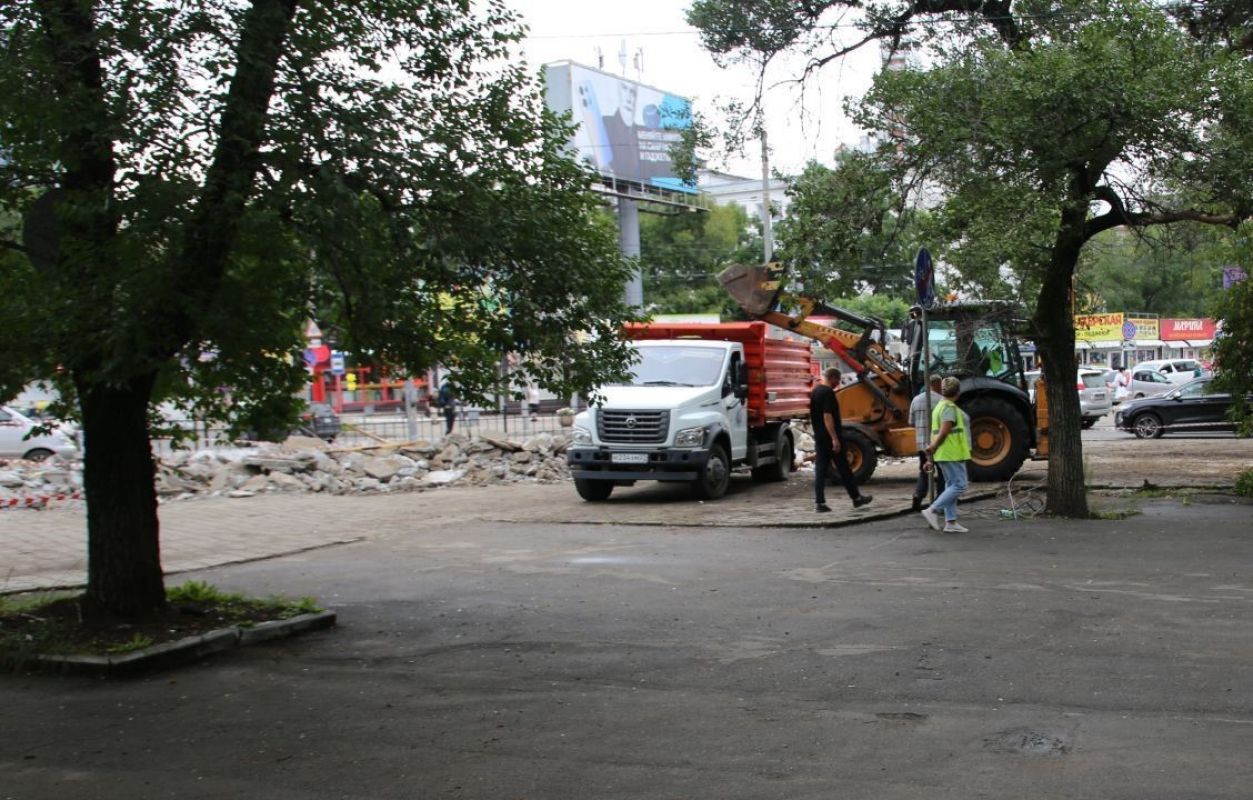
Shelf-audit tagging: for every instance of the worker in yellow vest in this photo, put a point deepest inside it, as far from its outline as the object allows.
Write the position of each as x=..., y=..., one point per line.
x=949, y=450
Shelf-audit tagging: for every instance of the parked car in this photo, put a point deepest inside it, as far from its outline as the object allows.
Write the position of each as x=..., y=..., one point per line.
x=1095, y=400
x=321, y=421
x=1148, y=383
x=17, y=440
x=1191, y=407
x=1177, y=370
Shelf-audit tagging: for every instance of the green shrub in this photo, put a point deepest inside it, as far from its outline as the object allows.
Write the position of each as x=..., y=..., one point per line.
x=1244, y=483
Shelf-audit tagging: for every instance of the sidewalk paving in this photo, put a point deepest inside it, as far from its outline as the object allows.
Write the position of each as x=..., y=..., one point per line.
x=47, y=549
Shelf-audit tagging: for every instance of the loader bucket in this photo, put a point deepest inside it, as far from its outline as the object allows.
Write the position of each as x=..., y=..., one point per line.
x=747, y=285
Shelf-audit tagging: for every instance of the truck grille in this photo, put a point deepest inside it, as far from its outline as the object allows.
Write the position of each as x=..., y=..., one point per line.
x=633, y=427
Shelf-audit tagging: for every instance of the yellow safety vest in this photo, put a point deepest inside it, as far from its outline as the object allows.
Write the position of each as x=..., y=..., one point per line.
x=956, y=446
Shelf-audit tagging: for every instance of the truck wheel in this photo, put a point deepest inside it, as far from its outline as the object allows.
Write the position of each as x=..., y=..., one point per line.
x=593, y=491
x=715, y=477
x=998, y=438
x=781, y=468
x=861, y=455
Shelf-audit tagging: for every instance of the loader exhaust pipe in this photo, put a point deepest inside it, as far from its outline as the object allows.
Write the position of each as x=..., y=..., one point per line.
x=751, y=287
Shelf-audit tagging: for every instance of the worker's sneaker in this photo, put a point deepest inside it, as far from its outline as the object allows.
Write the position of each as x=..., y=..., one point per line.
x=953, y=527
x=931, y=518
x=861, y=500
x=822, y=508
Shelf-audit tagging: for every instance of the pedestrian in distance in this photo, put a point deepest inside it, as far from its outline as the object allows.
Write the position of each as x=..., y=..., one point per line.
x=920, y=418
x=824, y=415
x=532, y=401
x=447, y=401
x=950, y=450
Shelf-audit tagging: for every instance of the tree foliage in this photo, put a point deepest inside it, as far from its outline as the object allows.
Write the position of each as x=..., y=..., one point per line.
x=1173, y=271
x=195, y=180
x=1233, y=350
x=846, y=231
x=682, y=254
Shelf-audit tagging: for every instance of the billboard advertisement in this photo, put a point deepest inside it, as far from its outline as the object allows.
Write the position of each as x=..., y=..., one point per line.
x=625, y=128
x=1098, y=327
x=1177, y=330
x=1142, y=329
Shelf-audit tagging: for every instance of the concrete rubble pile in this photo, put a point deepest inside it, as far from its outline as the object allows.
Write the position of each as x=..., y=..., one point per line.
x=303, y=464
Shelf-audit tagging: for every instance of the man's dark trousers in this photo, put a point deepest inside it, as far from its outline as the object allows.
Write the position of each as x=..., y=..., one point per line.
x=823, y=458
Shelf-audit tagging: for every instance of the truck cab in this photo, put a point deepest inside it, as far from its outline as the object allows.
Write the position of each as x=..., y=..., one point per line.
x=695, y=407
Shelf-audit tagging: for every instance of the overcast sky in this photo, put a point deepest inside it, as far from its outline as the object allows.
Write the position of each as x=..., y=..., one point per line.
x=799, y=128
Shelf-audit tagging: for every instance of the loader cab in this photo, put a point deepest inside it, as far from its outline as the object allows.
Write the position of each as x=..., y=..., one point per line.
x=972, y=341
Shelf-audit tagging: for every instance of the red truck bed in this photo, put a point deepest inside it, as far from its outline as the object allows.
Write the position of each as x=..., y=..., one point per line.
x=780, y=373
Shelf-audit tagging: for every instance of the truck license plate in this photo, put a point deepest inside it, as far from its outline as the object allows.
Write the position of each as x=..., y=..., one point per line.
x=629, y=458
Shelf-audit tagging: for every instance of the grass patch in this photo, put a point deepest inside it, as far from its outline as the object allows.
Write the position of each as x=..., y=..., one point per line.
x=48, y=623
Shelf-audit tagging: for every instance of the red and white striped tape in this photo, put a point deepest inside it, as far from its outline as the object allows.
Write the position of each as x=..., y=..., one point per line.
x=37, y=501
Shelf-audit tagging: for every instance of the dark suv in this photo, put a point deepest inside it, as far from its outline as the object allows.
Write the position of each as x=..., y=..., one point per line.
x=320, y=421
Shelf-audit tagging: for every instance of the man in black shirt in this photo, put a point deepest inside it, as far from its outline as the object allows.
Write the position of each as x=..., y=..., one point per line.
x=824, y=415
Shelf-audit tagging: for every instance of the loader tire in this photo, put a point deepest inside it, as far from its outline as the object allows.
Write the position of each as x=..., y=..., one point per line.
x=999, y=439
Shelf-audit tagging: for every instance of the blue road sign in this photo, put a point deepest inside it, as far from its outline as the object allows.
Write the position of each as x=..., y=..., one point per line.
x=924, y=278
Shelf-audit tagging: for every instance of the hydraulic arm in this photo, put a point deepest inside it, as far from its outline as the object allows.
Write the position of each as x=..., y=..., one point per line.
x=759, y=291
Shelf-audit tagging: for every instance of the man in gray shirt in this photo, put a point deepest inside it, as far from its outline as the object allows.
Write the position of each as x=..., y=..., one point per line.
x=920, y=418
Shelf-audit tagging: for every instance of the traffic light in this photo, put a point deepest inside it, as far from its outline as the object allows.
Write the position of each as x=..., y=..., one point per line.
x=350, y=381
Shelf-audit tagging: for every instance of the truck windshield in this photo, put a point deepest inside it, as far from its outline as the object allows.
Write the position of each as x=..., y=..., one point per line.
x=677, y=366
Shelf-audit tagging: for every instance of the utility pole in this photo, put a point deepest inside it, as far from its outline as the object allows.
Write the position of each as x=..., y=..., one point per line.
x=767, y=230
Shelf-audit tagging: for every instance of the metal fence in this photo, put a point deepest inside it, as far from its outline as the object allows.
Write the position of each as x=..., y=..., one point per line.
x=365, y=429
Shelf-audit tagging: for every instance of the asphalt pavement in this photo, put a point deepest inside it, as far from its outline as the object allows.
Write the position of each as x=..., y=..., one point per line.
x=514, y=642
x=1052, y=659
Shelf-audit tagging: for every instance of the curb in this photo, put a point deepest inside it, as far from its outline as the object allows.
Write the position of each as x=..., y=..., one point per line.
x=183, y=651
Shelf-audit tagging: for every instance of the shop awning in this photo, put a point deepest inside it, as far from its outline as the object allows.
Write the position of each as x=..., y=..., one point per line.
x=1148, y=343
x=1200, y=342
x=1106, y=344
x=1082, y=346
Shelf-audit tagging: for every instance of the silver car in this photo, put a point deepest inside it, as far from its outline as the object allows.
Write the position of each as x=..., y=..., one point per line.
x=16, y=440
x=1095, y=398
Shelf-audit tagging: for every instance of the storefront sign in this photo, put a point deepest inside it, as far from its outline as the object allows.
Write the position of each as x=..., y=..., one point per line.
x=1098, y=327
x=1174, y=330
x=1146, y=328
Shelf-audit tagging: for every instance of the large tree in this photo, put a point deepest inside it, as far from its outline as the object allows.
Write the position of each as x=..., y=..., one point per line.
x=195, y=180
x=1035, y=127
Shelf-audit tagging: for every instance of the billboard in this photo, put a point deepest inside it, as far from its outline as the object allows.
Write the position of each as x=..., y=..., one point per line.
x=1098, y=327
x=1176, y=330
x=625, y=129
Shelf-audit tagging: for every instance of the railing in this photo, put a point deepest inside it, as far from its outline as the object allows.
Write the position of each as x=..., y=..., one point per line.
x=365, y=429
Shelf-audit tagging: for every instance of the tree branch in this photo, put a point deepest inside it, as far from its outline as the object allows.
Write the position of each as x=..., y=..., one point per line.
x=1120, y=215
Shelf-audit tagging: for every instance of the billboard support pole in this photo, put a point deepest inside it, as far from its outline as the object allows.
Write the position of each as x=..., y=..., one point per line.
x=629, y=246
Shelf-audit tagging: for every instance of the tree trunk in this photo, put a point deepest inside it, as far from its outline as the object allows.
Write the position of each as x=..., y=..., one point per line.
x=1067, y=490
x=124, y=577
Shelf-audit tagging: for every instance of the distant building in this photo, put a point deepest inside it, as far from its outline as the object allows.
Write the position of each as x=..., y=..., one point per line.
x=727, y=189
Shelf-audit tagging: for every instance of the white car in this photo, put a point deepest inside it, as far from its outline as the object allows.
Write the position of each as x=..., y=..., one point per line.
x=1177, y=370
x=1148, y=383
x=16, y=440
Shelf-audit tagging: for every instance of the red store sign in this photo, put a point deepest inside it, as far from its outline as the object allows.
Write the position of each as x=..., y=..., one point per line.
x=1174, y=330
